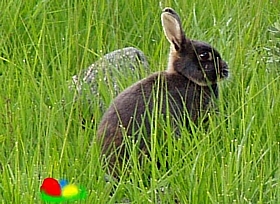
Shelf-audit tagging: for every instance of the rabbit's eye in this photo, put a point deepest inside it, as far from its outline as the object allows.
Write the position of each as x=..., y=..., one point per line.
x=205, y=56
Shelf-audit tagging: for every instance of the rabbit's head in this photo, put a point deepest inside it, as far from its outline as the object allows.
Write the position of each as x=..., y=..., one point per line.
x=196, y=60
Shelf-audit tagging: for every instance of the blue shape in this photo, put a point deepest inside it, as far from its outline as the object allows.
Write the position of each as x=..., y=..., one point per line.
x=63, y=183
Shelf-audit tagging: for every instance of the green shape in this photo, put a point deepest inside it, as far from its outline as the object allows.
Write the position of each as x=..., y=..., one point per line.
x=58, y=199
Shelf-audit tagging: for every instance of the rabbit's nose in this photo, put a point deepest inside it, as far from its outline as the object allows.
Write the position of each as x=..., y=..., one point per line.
x=224, y=69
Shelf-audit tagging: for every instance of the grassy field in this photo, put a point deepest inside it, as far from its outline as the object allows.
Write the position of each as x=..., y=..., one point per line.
x=44, y=43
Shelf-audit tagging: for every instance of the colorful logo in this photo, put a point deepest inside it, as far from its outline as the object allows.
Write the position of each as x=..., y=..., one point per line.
x=60, y=191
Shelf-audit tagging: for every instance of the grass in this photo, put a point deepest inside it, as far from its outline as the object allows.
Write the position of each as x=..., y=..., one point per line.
x=44, y=43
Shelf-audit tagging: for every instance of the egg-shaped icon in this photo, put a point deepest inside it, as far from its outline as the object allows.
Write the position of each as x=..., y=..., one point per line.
x=70, y=190
x=51, y=187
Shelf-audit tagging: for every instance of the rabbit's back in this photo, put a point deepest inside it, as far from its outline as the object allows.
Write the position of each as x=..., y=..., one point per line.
x=176, y=95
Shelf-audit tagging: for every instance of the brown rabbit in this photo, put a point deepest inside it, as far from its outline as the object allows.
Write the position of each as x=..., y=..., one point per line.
x=187, y=88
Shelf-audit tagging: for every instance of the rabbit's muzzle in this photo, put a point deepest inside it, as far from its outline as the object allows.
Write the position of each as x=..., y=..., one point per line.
x=223, y=69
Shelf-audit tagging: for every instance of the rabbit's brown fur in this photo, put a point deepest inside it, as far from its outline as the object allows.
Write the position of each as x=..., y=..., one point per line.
x=187, y=87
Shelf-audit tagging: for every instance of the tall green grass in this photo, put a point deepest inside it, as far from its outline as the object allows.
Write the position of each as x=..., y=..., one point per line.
x=44, y=43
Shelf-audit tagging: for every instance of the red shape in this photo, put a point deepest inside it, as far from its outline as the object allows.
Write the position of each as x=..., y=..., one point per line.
x=51, y=187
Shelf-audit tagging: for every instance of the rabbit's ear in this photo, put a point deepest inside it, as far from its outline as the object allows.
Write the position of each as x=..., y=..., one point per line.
x=172, y=27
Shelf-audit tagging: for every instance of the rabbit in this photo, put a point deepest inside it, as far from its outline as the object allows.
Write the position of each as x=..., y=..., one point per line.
x=190, y=81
